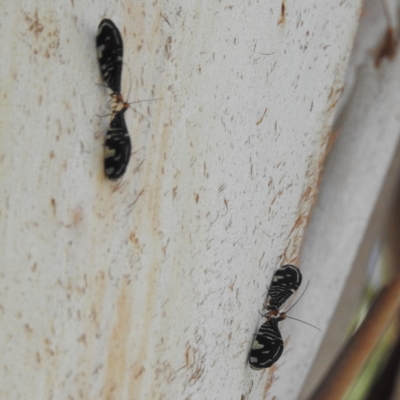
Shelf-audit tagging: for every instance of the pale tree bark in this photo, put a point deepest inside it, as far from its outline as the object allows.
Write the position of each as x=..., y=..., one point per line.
x=356, y=192
x=150, y=288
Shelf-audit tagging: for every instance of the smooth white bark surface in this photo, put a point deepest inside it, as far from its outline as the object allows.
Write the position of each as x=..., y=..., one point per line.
x=150, y=288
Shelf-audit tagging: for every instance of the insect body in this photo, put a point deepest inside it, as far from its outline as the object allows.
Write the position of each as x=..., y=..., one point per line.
x=286, y=280
x=268, y=344
x=117, y=148
x=110, y=49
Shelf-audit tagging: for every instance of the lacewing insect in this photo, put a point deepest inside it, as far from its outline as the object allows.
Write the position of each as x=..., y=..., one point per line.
x=110, y=51
x=286, y=280
x=268, y=344
x=117, y=148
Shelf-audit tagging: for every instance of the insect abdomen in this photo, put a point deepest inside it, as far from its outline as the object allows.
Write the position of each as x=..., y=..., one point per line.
x=117, y=147
x=267, y=346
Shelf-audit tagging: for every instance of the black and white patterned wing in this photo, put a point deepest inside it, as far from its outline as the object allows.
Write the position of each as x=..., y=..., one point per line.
x=267, y=346
x=286, y=281
x=117, y=148
x=110, y=51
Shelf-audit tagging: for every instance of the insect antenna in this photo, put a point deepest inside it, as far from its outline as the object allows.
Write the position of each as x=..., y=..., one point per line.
x=127, y=104
x=141, y=101
x=298, y=298
x=304, y=322
x=105, y=115
x=130, y=81
x=136, y=111
x=286, y=316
